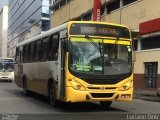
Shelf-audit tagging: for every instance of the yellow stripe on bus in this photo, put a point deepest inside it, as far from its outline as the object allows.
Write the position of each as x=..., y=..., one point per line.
x=100, y=41
x=85, y=40
x=117, y=42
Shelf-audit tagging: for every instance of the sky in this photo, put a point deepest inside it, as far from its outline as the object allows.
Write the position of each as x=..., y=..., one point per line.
x=3, y=2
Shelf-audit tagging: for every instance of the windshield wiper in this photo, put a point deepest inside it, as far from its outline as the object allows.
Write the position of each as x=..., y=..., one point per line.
x=116, y=46
x=94, y=44
x=117, y=39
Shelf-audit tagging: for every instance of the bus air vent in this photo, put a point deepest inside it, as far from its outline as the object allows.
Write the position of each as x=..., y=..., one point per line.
x=102, y=95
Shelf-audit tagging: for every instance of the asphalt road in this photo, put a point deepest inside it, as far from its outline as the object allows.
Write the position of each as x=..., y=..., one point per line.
x=13, y=102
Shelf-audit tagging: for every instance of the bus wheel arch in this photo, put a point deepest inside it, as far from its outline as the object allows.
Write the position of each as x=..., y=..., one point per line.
x=52, y=93
x=24, y=83
x=50, y=81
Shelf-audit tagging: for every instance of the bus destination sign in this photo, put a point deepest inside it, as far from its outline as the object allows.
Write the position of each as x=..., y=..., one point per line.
x=99, y=30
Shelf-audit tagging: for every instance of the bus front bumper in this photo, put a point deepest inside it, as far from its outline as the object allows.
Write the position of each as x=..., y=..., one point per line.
x=73, y=95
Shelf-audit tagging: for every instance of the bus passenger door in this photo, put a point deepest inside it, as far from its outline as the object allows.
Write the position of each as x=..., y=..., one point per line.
x=16, y=66
x=63, y=60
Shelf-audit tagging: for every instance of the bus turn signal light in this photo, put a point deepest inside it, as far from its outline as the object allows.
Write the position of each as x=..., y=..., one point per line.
x=125, y=96
x=127, y=85
x=76, y=85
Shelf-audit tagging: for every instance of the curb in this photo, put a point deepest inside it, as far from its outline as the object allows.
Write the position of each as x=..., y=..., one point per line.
x=150, y=98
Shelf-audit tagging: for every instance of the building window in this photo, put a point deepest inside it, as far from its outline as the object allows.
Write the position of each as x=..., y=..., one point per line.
x=45, y=2
x=150, y=43
x=87, y=16
x=45, y=25
x=151, y=74
x=45, y=11
x=126, y=2
x=62, y=3
x=113, y=6
x=135, y=44
x=56, y=7
x=54, y=1
x=77, y=19
x=103, y=10
x=68, y=1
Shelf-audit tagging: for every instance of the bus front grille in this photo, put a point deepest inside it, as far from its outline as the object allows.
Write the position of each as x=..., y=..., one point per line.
x=101, y=81
x=102, y=88
x=102, y=95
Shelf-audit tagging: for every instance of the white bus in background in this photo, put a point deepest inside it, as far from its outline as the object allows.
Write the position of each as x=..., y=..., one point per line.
x=6, y=69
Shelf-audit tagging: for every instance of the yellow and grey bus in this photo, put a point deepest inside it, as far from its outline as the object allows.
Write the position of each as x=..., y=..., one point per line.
x=78, y=61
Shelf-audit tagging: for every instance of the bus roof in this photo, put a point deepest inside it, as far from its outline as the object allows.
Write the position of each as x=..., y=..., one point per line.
x=63, y=27
x=51, y=31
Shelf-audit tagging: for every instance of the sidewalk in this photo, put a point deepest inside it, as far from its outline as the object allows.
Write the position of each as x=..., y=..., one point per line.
x=146, y=95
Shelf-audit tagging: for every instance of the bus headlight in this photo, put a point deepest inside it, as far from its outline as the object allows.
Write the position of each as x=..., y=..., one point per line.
x=76, y=85
x=127, y=85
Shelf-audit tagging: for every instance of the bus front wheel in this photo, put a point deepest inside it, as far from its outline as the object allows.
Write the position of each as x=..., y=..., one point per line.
x=52, y=95
x=105, y=104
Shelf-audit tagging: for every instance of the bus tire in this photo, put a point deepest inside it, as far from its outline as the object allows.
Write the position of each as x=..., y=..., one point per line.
x=105, y=104
x=52, y=95
x=25, y=91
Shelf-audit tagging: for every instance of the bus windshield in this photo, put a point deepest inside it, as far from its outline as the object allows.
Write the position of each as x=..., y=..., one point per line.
x=6, y=66
x=99, y=57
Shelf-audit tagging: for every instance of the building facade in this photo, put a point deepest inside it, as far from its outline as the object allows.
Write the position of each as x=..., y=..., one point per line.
x=3, y=31
x=135, y=14
x=27, y=18
x=147, y=65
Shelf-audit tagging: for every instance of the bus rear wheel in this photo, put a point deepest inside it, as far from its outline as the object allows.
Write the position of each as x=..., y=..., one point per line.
x=25, y=91
x=52, y=95
x=105, y=104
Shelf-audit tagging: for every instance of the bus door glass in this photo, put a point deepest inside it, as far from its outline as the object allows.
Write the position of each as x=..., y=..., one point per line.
x=16, y=66
x=63, y=60
x=20, y=67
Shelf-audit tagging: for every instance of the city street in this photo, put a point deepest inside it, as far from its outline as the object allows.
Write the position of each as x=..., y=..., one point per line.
x=12, y=101
x=80, y=50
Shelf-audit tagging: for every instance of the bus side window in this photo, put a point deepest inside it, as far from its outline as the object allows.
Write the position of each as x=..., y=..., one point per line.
x=45, y=48
x=38, y=51
x=53, y=51
x=17, y=55
x=32, y=51
x=22, y=58
x=26, y=53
